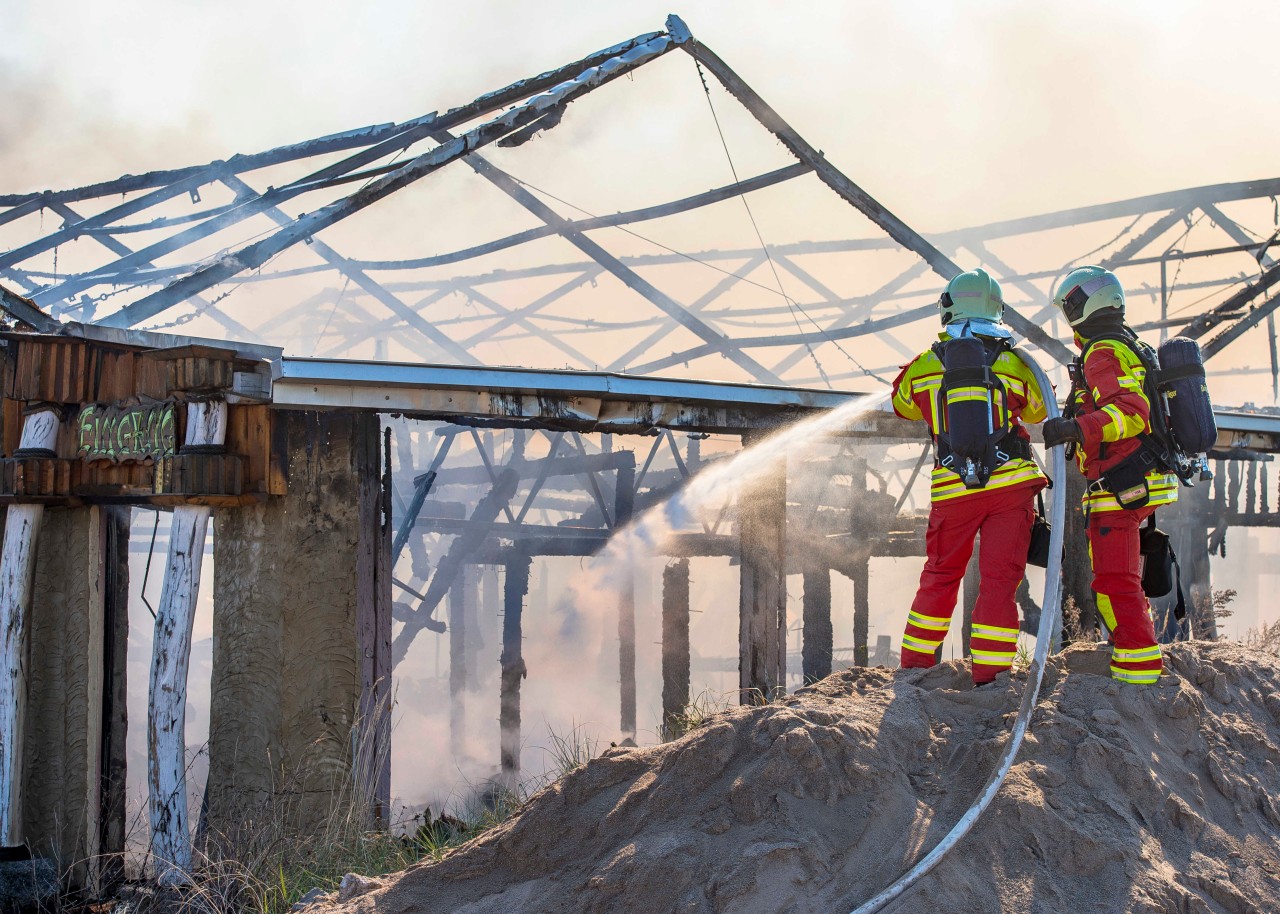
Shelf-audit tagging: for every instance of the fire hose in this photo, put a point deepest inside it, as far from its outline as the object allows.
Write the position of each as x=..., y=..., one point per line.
x=1046, y=635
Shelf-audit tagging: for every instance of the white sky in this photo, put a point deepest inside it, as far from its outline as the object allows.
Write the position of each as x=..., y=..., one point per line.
x=951, y=113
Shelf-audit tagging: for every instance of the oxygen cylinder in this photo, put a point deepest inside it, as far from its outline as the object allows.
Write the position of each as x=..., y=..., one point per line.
x=1186, y=392
x=968, y=387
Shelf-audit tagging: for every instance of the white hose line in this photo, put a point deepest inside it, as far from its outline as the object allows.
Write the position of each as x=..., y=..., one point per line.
x=1044, y=640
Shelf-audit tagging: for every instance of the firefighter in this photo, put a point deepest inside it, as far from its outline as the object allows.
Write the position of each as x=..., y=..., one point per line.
x=1108, y=418
x=995, y=500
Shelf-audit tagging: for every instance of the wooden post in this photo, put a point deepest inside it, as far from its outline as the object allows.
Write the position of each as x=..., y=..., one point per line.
x=170, y=660
x=513, y=668
x=818, y=635
x=115, y=692
x=675, y=641
x=624, y=505
x=860, y=567
x=17, y=562
x=372, y=470
x=762, y=598
x=458, y=655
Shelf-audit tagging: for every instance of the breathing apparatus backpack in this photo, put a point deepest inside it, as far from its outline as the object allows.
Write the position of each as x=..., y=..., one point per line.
x=969, y=441
x=1183, y=428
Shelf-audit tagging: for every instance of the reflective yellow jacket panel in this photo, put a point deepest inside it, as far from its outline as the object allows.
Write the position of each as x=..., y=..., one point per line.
x=915, y=396
x=1112, y=412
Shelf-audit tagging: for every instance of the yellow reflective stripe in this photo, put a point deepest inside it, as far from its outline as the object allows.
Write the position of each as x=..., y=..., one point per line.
x=937, y=623
x=1130, y=382
x=920, y=644
x=1163, y=489
x=1013, y=384
x=1137, y=677
x=993, y=658
x=992, y=633
x=947, y=484
x=1137, y=655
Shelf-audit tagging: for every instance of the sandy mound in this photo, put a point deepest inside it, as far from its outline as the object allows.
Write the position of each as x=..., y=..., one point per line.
x=1124, y=799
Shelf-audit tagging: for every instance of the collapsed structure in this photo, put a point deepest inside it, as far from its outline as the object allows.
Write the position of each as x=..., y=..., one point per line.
x=100, y=415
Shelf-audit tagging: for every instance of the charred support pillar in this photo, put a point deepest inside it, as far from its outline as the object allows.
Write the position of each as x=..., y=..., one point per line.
x=624, y=504
x=860, y=567
x=115, y=597
x=301, y=635
x=675, y=641
x=170, y=661
x=461, y=595
x=818, y=636
x=762, y=601
x=17, y=563
x=513, y=668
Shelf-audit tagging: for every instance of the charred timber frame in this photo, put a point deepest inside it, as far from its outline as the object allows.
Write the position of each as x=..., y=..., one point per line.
x=762, y=597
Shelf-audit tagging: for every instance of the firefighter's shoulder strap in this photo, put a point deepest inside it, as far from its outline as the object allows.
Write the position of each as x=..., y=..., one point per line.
x=1159, y=441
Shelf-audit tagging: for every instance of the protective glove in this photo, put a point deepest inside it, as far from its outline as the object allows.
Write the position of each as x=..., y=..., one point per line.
x=1060, y=430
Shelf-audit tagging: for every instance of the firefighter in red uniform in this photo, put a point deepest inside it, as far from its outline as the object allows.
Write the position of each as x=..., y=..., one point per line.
x=1108, y=416
x=1000, y=508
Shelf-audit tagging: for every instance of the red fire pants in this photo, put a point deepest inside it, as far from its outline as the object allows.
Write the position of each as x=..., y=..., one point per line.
x=1117, y=586
x=1003, y=517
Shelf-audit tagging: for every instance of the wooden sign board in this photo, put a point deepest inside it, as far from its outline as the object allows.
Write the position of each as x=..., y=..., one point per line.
x=124, y=422
x=120, y=434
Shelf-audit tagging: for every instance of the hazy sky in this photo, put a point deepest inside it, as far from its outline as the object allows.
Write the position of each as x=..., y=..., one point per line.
x=950, y=112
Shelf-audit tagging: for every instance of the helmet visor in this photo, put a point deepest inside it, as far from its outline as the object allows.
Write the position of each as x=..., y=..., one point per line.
x=1073, y=304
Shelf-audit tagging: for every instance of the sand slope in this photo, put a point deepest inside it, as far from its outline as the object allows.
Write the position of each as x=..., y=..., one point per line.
x=1124, y=799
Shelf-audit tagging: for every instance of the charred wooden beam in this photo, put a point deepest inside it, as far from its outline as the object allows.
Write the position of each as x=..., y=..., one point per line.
x=762, y=601
x=1232, y=306
x=675, y=643
x=817, y=634
x=114, y=692
x=460, y=595
x=624, y=503
x=27, y=311
x=482, y=518
x=512, y=666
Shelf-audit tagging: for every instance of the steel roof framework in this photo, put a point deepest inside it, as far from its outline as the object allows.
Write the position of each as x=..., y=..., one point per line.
x=149, y=250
